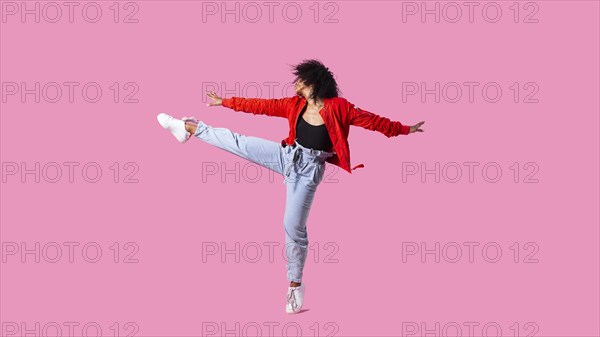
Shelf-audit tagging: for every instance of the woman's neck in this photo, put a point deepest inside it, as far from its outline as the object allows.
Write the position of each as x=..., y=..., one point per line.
x=313, y=104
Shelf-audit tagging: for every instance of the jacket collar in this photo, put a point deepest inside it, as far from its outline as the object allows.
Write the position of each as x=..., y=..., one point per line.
x=304, y=103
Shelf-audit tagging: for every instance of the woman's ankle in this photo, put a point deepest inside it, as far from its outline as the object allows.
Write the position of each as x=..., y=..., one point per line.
x=190, y=127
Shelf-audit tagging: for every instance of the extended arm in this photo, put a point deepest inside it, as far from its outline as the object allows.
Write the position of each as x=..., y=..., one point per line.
x=259, y=106
x=374, y=122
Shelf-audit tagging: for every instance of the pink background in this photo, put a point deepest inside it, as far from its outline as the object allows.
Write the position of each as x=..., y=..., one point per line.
x=170, y=52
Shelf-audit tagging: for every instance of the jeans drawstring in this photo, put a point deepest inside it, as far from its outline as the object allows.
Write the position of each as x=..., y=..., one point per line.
x=296, y=156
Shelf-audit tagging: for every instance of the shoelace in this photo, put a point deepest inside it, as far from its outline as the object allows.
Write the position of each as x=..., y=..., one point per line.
x=291, y=298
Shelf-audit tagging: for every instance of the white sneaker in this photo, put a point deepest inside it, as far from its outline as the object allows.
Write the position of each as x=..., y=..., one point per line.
x=175, y=126
x=295, y=299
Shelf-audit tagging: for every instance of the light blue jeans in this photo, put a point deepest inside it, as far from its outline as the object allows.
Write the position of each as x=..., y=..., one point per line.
x=303, y=170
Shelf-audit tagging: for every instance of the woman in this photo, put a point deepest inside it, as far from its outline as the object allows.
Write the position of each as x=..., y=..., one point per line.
x=319, y=123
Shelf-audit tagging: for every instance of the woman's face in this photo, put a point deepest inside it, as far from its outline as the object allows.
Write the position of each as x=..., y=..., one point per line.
x=301, y=89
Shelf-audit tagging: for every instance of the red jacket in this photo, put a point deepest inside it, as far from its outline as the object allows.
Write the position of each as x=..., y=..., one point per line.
x=338, y=114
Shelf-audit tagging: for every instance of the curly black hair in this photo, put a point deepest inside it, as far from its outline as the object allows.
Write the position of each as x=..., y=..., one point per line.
x=313, y=73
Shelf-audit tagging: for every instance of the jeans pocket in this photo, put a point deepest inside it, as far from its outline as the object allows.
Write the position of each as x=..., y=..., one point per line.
x=302, y=168
x=318, y=173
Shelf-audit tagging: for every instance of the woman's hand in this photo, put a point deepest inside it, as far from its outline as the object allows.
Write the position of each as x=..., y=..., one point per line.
x=416, y=127
x=216, y=100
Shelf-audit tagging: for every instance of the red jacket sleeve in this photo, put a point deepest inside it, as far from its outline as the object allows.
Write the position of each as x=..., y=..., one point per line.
x=373, y=122
x=277, y=107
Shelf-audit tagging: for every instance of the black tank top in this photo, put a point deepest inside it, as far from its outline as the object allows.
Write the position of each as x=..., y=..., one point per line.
x=311, y=136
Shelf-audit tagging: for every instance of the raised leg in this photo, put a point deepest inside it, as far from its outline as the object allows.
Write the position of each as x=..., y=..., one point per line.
x=261, y=151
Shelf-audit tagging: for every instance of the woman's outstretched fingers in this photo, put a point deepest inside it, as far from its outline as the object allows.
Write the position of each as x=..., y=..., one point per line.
x=216, y=100
x=416, y=127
